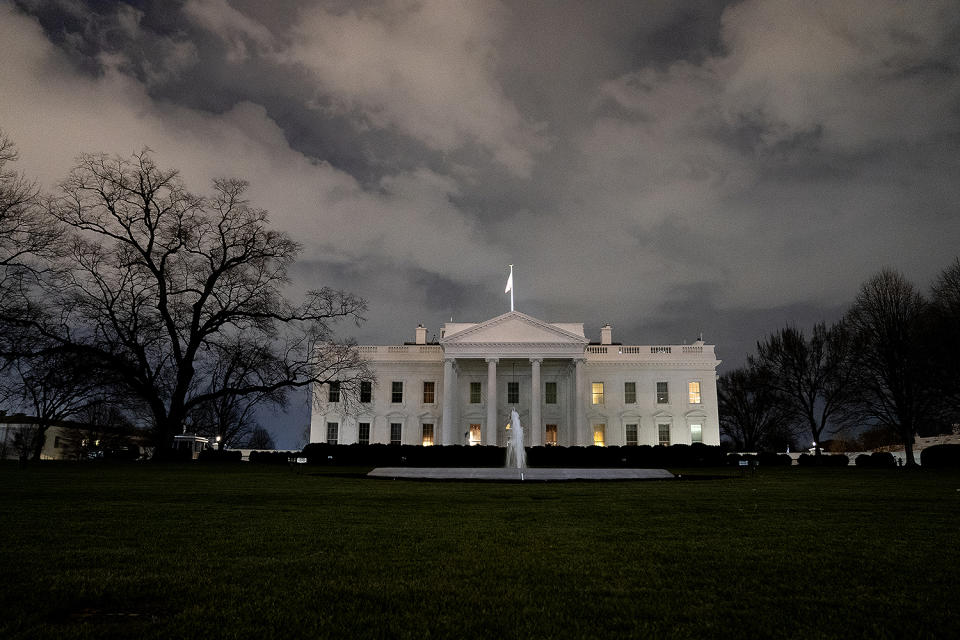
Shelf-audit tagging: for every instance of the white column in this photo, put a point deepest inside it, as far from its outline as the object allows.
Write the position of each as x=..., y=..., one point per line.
x=448, y=433
x=491, y=438
x=579, y=429
x=535, y=429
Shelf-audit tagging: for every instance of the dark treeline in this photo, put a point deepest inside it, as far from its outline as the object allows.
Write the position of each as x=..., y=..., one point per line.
x=889, y=366
x=124, y=289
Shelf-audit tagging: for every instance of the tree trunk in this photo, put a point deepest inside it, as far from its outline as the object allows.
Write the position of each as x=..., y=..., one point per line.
x=39, y=439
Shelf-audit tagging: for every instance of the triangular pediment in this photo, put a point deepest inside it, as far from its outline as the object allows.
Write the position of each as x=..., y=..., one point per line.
x=514, y=328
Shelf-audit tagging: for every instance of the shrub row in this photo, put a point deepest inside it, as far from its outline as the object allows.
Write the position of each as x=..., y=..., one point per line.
x=272, y=457
x=824, y=460
x=216, y=456
x=644, y=456
x=941, y=455
x=876, y=460
x=764, y=459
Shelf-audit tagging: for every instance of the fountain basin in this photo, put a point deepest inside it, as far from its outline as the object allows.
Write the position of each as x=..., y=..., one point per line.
x=514, y=474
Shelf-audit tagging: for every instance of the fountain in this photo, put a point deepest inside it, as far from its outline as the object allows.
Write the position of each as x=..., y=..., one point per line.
x=516, y=454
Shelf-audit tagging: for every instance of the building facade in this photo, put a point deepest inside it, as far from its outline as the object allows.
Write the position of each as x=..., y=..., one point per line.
x=567, y=390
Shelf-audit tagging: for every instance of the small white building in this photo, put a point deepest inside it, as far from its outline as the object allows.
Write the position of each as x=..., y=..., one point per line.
x=568, y=391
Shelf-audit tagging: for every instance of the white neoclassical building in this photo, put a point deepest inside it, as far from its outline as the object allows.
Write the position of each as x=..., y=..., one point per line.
x=568, y=391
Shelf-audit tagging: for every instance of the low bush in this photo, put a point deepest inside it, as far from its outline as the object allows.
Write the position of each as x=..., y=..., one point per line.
x=271, y=457
x=876, y=460
x=824, y=460
x=773, y=459
x=217, y=456
x=940, y=456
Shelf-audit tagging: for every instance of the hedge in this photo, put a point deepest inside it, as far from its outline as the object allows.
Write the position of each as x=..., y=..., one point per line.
x=824, y=460
x=940, y=456
x=383, y=455
x=225, y=456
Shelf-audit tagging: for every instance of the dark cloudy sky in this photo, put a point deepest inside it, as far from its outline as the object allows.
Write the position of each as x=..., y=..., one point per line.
x=666, y=166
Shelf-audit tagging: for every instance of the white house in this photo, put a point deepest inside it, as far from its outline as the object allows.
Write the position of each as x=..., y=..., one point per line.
x=567, y=390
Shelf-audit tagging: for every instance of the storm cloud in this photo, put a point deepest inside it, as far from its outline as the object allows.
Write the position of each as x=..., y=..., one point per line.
x=669, y=167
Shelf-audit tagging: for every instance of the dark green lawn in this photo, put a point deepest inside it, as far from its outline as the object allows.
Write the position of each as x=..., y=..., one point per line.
x=146, y=551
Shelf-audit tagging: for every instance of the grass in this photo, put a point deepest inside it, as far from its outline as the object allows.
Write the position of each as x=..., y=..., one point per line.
x=96, y=551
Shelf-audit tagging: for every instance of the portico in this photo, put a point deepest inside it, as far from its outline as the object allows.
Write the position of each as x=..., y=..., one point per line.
x=567, y=390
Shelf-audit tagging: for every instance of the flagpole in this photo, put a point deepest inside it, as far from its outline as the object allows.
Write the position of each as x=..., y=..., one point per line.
x=511, y=287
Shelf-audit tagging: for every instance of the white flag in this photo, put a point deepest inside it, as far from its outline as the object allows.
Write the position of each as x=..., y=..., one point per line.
x=509, y=283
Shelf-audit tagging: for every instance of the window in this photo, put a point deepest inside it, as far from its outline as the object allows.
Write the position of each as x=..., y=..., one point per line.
x=599, y=431
x=475, y=431
x=550, y=394
x=663, y=434
x=333, y=394
x=696, y=433
x=629, y=392
x=332, y=432
x=663, y=394
x=396, y=392
x=56, y=442
x=366, y=392
x=428, y=394
x=694, y=388
x=427, y=439
x=597, y=393
x=631, y=439
x=551, y=439
x=513, y=392
x=474, y=393
x=363, y=433
x=395, y=432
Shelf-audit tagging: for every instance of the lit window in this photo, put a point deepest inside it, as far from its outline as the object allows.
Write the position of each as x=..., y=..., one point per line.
x=513, y=392
x=396, y=392
x=599, y=430
x=363, y=433
x=366, y=392
x=696, y=433
x=334, y=392
x=474, y=393
x=395, y=430
x=428, y=394
x=694, y=392
x=551, y=439
x=550, y=393
x=427, y=435
x=597, y=393
x=332, y=432
x=663, y=433
x=474, y=433
x=663, y=395
x=629, y=392
x=631, y=435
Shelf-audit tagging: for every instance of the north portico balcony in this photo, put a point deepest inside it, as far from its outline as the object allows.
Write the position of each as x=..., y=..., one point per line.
x=593, y=353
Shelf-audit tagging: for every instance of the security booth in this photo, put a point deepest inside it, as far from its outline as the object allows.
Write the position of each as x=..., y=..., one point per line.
x=190, y=444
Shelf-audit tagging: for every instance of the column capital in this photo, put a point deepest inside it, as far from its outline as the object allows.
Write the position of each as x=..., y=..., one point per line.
x=493, y=360
x=537, y=360
x=449, y=359
x=579, y=360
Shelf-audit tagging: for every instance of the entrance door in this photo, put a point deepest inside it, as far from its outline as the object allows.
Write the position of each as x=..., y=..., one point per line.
x=474, y=434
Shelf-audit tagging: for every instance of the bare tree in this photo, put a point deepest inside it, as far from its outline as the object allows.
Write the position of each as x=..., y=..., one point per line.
x=942, y=329
x=158, y=283
x=24, y=232
x=810, y=378
x=54, y=387
x=749, y=413
x=894, y=388
x=260, y=438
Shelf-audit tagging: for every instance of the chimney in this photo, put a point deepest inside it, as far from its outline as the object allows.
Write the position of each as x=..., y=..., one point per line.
x=421, y=334
x=606, y=334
